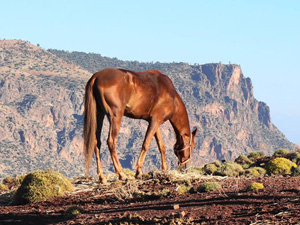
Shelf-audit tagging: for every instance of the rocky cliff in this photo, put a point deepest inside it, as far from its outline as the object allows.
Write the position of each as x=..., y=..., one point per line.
x=41, y=106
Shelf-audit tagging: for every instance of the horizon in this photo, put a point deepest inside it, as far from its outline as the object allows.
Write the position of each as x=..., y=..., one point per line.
x=262, y=37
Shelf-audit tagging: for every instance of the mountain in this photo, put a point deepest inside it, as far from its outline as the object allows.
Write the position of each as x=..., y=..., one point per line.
x=41, y=102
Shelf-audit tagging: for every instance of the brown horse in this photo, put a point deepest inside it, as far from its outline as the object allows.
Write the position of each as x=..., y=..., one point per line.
x=148, y=95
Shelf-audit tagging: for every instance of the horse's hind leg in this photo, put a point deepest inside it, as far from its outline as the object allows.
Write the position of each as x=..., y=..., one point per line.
x=100, y=117
x=114, y=128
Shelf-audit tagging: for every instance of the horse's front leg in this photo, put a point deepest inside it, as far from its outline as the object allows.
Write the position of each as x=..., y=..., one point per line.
x=114, y=129
x=162, y=149
x=152, y=128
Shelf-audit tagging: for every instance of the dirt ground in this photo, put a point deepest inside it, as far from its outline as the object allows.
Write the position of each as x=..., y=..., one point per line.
x=141, y=202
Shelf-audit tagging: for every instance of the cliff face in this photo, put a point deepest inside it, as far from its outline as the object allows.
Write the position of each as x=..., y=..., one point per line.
x=41, y=106
x=41, y=109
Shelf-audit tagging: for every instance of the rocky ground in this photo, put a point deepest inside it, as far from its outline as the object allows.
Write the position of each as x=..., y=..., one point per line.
x=160, y=198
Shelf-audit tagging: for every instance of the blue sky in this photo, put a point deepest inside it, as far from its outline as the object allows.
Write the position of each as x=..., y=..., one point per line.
x=261, y=36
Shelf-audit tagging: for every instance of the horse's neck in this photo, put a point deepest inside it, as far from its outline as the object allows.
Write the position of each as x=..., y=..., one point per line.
x=181, y=125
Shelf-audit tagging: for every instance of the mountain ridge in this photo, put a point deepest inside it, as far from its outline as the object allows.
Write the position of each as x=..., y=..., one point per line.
x=41, y=100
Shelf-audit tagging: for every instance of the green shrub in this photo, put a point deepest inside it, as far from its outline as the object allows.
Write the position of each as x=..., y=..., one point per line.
x=230, y=169
x=210, y=168
x=20, y=179
x=9, y=180
x=197, y=170
x=73, y=211
x=217, y=163
x=165, y=192
x=255, y=172
x=181, y=189
x=255, y=187
x=281, y=152
x=42, y=185
x=295, y=157
x=13, y=181
x=3, y=187
x=253, y=156
x=129, y=173
x=209, y=186
x=280, y=166
x=242, y=159
x=295, y=171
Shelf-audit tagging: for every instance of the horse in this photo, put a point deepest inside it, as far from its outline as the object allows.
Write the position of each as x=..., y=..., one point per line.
x=148, y=95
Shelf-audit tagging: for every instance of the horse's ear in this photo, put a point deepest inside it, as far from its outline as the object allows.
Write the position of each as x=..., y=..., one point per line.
x=194, y=132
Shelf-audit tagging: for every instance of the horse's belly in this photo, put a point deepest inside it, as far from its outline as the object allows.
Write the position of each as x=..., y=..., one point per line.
x=137, y=111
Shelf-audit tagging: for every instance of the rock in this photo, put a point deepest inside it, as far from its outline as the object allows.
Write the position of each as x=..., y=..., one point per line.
x=176, y=206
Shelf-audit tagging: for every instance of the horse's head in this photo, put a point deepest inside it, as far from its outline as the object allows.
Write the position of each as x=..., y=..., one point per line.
x=184, y=153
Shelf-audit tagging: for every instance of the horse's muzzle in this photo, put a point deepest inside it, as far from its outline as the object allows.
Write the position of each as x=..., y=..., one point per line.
x=185, y=165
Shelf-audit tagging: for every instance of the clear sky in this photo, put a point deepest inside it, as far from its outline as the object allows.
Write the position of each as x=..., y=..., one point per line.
x=261, y=36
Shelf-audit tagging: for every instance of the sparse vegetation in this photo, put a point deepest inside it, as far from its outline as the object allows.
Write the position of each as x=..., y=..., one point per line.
x=9, y=180
x=182, y=189
x=280, y=166
x=161, y=192
x=73, y=211
x=255, y=187
x=255, y=172
x=230, y=169
x=209, y=186
x=253, y=156
x=3, y=187
x=129, y=173
x=281, y=152
x=42, y=185
x=295, y=171
x=210, y=168
x=244, y=161
x=295, y=157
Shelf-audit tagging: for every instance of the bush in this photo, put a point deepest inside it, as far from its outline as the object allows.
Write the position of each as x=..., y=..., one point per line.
x=42, y=185
x=255, y=155
x=295, y=157
x=9, y=180
x=280, y=166
x=217, y=163
x=13, y=181
x=197, y=170
x=3, y=187
x=242, y=159
x=209, y=186
x=210, y=168
x=295, y=171
x=255, y=187
x=230, y=169
x=281, y=152
x=129, y=173
x=74, y=211
x=255, y=172
x=20, y=179
x=165, y=192
x=181, y=189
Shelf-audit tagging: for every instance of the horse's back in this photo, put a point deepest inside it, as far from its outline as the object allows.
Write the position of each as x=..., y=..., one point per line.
x=138, y=94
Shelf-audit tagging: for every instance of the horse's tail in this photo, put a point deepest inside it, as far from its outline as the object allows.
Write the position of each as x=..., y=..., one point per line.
x=90, y=123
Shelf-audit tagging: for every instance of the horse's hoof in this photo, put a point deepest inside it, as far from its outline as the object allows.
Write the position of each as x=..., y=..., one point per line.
x=102, y=180
x=122, y=176
x=138, y=176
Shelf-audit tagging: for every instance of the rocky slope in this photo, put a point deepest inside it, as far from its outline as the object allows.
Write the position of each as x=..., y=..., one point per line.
x=41, y=106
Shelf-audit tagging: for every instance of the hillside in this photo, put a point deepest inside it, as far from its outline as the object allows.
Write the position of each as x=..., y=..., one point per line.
x=41, y=102
x=219, y=99
x=41, y=109
x=164, y=198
